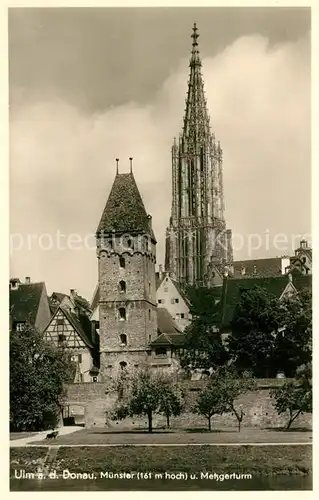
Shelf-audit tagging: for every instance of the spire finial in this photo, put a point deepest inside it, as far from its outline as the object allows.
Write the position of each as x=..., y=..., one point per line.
x=194, y=35
x=195, y=60
x=131, y=164
x=117, y=165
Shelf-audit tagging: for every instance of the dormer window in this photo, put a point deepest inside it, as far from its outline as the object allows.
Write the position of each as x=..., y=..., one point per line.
x=122, y=286
x=122, y=262
x=123, y=339
x=122, y=313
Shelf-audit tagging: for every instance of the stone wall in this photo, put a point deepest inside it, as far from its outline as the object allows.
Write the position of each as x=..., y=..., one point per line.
x=99, y=399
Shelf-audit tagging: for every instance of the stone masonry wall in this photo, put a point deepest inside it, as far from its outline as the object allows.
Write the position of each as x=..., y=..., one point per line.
x=99, y=399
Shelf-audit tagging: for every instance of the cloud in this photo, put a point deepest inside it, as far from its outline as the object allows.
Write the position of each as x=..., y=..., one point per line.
x=62, y=159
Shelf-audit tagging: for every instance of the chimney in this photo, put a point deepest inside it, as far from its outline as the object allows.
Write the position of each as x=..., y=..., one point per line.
x=72, y=292
x=285, y=263
x=27, y=280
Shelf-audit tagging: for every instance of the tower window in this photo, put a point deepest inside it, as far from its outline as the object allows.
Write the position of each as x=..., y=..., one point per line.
x=122, y=286
x=129, y=243
x=122, y=262
x=122, y=313
x=149, y=315
x=123, y=339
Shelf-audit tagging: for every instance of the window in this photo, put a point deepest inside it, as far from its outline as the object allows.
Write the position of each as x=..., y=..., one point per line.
x=122, y=313
x=122, y=286
x=123, y=365
x=149, y=315
x=20, y=327
x=94, y=379
x=176, y=301
x=123, y=339
x=61, y=338
x=182, y=315
x=161, y=352
x=129, y=243
x=80, y=358
x=177, y=316
x=60, y=321
x=122, y=262
x=161, y=301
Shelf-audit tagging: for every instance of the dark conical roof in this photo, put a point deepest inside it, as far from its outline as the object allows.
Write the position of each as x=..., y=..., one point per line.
x=124, y=211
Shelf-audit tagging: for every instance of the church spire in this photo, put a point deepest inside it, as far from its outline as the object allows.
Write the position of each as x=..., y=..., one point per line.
x=196, y=128
x=197, y=238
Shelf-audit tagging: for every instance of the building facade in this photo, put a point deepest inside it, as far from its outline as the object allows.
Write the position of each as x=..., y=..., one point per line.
x=198, y=243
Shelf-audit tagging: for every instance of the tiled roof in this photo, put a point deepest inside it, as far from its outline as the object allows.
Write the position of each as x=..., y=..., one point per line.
x=59, y=296
x=165, y=322
x=302, y=282
x=180, y=291
x=233, y=287
x=262, y=268
x=24, y=302
x=82, y=326
x=166, y=339
x=124, y=211
x=81, y=302
x=96, y=298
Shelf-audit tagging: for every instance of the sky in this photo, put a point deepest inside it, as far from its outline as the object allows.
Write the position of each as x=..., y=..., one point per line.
x=90, y=85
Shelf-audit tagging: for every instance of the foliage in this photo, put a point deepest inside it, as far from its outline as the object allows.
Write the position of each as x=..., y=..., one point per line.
x=149, y=393
x=294, y=397
x=38, y=374
x=203, y=346
x=230, y=385
x=256, y=321
x=172, y=398
x=209, y=403
x=293, y=346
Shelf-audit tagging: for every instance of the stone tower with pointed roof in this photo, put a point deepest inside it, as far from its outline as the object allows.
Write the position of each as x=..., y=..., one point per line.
x=198, y=244
x=126, y=251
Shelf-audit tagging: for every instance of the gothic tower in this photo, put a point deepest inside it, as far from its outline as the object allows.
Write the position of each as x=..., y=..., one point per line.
x=126, y=251
x=198, y=245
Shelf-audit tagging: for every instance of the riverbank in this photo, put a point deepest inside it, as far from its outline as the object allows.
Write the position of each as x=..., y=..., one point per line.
x=245, y=459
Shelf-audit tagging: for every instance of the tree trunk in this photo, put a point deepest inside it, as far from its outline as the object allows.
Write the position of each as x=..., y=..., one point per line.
x=292, y=419
x=149, y=416
x=239, y=422
x=167, y=420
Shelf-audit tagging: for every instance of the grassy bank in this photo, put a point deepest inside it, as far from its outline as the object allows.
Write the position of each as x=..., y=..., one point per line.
x=263, y=460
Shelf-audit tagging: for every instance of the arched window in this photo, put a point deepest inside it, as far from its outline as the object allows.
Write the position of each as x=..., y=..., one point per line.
x=122, y=286
x=122, y=262
x=122, y=313
x=123, y=339
x=123, y=365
